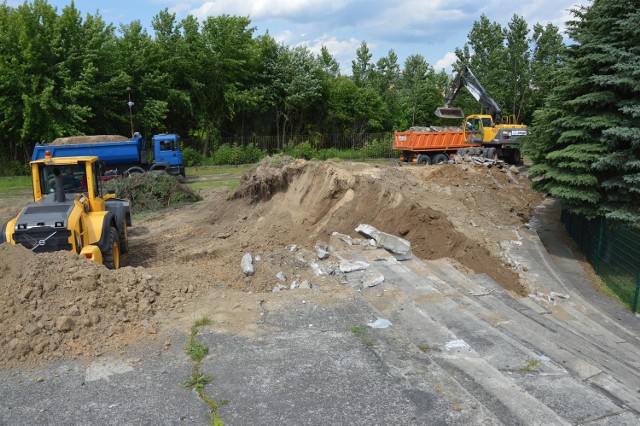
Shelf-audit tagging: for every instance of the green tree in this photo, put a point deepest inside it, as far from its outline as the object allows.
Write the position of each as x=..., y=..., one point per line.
x=353, y=109
x=295, y=84
x=361, y=67
x=420, y=94
x=517, y=73
x=587, y=142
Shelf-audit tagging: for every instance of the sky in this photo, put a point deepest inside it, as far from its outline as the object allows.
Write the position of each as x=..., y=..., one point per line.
x=432, y=28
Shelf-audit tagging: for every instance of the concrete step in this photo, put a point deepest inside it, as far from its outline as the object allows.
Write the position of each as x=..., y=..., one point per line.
x=565, y=340
x=495, y=345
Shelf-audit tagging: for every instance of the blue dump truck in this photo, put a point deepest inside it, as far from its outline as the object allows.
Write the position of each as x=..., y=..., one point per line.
x=118, y=154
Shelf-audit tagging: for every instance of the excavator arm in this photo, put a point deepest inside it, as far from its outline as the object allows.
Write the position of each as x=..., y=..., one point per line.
x=466, y=78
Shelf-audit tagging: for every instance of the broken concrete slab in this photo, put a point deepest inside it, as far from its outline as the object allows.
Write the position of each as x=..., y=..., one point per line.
x=353, y=265
x=372, y=279
x=368, y=231
x=247, y=264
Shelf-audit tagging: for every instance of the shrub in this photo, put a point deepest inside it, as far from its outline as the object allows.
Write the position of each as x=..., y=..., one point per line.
x=152, y=191
x=13, y=168
x=192, y=157
x=234, y=154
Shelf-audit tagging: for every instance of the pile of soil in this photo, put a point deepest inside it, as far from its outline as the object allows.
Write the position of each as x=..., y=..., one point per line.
x=75, y=140
x=62, y=305
x=59, y=305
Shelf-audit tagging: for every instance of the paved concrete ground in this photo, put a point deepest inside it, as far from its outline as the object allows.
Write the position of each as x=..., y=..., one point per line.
x=555, y=238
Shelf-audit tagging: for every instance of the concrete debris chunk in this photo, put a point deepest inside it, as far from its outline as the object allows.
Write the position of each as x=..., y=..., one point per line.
x=400, y=247
x=321, y=252
x=247, y=264
x=368, y=231
x=347, y=266
x=306, y=284
x=281, y=276
x=372, y=279
x=380, y=323
x=278, y=288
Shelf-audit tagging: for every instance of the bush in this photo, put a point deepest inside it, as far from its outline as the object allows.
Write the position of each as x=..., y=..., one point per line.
x=234, y=154
x=13, y=168
x=192, y=157
x=380, y=148
x=152, y=191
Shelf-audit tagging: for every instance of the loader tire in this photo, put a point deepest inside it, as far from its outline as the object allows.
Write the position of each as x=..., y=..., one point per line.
x=123, y=236
x=111, y=258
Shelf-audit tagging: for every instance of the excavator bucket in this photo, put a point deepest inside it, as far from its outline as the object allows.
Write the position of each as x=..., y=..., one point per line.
x=449, y=112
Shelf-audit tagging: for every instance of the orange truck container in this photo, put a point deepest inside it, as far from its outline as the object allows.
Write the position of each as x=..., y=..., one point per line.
x=429, y=147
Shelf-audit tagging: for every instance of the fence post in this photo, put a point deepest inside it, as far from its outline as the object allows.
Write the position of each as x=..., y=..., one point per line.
x=363, y=143
x=600, y=238
x=634, y=307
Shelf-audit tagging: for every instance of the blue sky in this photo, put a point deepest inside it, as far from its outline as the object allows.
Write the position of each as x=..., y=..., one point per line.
x=432, y=28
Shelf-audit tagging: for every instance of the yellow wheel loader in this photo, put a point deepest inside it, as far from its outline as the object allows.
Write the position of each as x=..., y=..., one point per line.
x=69, y=212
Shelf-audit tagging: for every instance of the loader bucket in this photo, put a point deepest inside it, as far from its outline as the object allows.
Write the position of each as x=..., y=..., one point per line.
x=449, y=112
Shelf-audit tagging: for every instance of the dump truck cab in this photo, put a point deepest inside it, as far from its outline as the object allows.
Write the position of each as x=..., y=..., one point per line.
x=69, y=212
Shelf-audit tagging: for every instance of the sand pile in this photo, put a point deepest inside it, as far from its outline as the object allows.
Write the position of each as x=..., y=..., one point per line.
x=56, y=305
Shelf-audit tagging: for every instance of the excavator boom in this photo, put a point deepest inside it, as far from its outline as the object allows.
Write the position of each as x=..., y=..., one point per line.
x=466, y=78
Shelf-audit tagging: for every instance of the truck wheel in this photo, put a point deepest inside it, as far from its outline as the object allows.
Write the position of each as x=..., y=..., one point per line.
x=491, y=153
x=424, y=160
x=111, y=258
x=440, y=159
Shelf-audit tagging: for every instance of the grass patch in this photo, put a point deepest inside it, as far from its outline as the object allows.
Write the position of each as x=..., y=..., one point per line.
x=424, y=348
x=15, y=184
x=360, y=332
x=217, y=170
x=202, y=321
x=531, y=365
x=230, y=184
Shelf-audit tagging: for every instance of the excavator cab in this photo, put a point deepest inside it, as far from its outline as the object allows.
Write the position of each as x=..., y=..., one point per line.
x=478, y=128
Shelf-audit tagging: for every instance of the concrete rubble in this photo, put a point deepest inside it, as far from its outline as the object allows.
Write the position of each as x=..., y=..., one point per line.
x=247, y=264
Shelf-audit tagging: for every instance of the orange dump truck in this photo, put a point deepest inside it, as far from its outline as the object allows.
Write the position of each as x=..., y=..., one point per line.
x=430, y=145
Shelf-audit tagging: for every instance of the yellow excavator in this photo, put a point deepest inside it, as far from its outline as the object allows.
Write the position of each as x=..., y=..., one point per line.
x=70, y=213
x=498, y=135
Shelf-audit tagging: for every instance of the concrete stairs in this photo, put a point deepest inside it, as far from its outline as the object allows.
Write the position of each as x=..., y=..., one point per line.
x=526, y=361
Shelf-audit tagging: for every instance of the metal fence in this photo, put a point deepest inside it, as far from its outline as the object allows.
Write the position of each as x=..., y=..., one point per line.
x=613, y=251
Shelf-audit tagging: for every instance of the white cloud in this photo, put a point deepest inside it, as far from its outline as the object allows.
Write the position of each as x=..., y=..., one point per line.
x=265, y=9
x=344, y=51
x=446, y=62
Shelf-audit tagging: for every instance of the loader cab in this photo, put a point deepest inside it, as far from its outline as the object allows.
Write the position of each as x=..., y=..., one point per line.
x=65, y=177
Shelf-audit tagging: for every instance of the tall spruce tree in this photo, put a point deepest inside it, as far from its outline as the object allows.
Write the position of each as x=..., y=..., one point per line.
x=587, y=138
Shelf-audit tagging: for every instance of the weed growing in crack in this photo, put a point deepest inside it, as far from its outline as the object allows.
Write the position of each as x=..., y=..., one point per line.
x=530, y=365
x=424, y=348
x=197, y=351
x=359, y=332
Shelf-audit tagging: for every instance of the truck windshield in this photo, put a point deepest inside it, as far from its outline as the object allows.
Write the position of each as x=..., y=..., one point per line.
x=167, y=146
x=72, y=178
